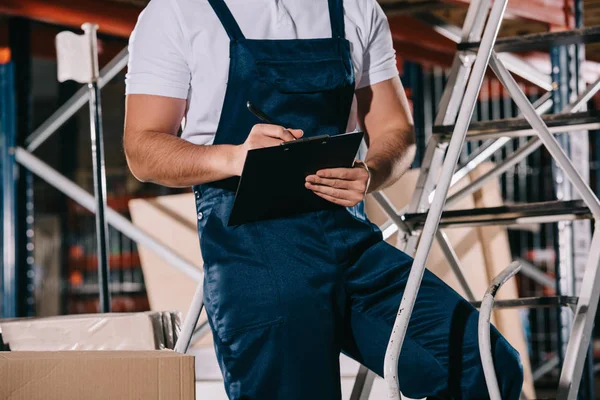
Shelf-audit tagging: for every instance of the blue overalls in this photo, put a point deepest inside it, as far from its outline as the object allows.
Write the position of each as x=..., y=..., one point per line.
x=284, y=297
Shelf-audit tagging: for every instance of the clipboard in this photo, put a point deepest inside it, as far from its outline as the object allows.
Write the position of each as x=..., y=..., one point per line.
x=273, y=178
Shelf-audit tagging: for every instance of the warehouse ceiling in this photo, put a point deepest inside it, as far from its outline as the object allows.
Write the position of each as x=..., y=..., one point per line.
x=410, y=20
x=549, y=14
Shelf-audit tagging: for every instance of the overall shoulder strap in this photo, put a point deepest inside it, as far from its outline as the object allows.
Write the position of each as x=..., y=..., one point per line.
x=229, y=23
x=336, y=14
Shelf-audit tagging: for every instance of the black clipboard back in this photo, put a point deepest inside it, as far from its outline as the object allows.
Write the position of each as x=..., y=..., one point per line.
x=273, y=178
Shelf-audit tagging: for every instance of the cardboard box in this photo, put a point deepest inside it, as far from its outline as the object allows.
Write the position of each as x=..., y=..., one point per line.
x=115, y=331
x=172, y=221
x=91, y=375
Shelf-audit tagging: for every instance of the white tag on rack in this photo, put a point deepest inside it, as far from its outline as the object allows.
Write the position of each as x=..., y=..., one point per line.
x=74, y=57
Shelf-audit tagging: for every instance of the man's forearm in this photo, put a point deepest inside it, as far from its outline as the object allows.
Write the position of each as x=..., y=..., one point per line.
x=170, y=161
x=389, y=158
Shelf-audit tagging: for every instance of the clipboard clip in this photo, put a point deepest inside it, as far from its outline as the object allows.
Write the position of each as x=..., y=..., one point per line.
x=324, y=138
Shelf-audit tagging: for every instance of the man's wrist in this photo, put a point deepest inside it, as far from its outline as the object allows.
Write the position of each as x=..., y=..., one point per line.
x=234, y=159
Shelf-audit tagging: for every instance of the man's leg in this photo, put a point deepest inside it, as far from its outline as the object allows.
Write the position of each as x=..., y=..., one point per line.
x=274, y=301
x=440, y=355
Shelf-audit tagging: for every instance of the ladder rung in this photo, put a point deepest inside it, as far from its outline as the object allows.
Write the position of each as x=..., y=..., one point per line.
x=534, y=302
x=546, y=212
x=515, y=127
x=540, y=41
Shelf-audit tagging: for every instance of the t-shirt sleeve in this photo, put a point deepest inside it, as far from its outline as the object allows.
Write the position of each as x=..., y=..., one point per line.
x=379, y=60
x=157, y=53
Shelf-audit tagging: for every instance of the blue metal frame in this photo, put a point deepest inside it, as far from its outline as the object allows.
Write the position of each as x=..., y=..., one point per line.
x=20, y=45
x=8, y=170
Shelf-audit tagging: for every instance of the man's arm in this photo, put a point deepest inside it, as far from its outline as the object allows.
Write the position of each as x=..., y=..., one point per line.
x=384, y=116
x=155, y=153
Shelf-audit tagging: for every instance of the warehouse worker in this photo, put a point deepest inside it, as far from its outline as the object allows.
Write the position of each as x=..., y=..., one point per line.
x=284, y=297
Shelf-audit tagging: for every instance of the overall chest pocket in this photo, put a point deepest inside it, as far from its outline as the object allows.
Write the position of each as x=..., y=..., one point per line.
x=304, y=76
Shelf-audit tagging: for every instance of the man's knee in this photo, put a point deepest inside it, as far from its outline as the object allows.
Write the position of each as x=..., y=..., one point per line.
x=509, y=369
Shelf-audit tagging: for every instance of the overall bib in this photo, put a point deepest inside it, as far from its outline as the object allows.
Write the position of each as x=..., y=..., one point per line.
x=284, y=297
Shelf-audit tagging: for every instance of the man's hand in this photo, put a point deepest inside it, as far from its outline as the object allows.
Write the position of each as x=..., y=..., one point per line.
x=344, y=186
x=265, y=135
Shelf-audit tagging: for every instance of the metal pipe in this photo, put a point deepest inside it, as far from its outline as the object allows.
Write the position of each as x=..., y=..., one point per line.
x=534, y=273
x=191, y=319
x=583, y=324
x=545, y=368
x=583, y=98
x=447, y=111
x=425, y=184
x=98, y=167
x=363, y=384
x=433, y=218
x=201, y=330
x=544, y=103
x=526, y=71
x=483, y=331
x=390, y=211
x=475, y=21
x=514, y=63
x=461, y=66
x=115, y=219
x=545, y=136
x=483, y=152
x=388, y=229
x=454, y=262
x=75, y=103
x=498, y=170
x=486, y=150
x=8, y=207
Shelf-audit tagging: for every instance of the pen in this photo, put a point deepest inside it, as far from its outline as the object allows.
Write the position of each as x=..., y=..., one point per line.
x=259, y=114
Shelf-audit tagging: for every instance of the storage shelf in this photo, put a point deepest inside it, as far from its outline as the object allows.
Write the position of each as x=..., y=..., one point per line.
x=540, y=41
x=545, y=212
x=89, y=289
x=518, y=127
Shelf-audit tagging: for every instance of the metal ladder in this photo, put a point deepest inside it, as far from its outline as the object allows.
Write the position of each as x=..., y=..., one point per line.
x=420, y=227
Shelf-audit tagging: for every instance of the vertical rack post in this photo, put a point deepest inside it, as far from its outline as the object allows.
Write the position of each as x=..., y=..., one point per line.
x=20, y=47
x=99, y=170
x=7, y=189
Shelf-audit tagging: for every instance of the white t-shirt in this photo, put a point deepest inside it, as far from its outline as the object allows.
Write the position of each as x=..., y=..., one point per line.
x=180, y=49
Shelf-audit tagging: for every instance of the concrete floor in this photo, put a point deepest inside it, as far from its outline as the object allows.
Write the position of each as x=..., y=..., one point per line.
x=213, y=390
x=209, y=385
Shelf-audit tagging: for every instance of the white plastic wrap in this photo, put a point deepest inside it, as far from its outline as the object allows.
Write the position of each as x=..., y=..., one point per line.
x=126, y=331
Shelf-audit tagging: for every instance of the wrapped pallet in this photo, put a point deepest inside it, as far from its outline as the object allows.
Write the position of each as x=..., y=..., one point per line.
x=127, y=331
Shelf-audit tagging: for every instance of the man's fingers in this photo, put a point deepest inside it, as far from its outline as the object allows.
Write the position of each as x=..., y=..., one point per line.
x=337, y=183
x=298, y=133
x=277, y=131
x=350, y=174
x=342, y=194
